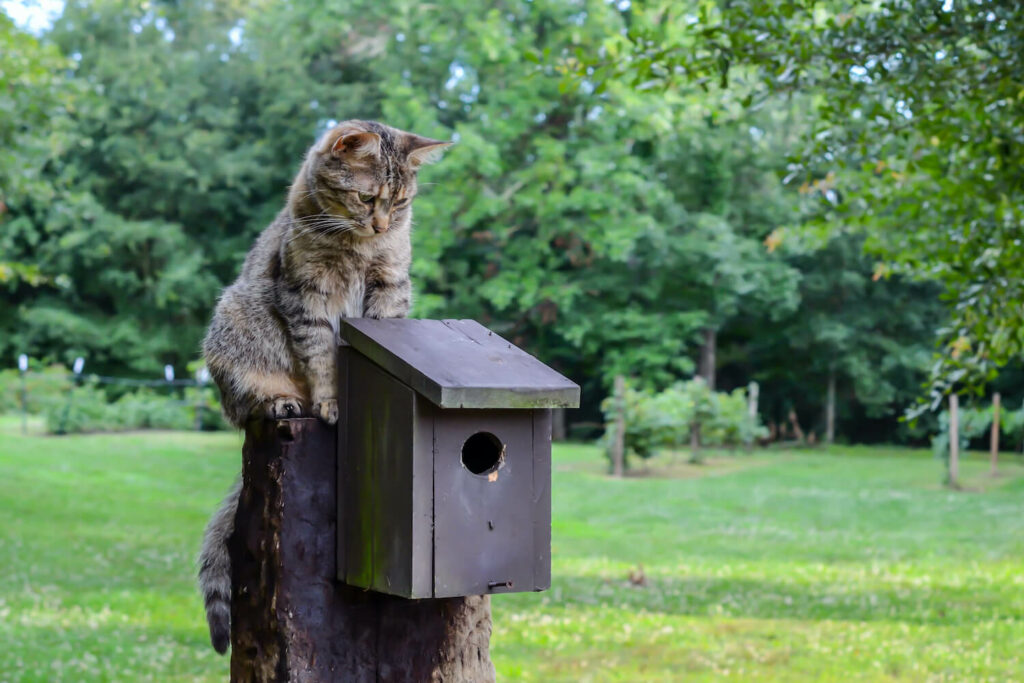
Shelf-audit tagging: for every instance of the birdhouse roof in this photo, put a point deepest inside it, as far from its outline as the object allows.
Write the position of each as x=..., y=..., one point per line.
x=459, y=364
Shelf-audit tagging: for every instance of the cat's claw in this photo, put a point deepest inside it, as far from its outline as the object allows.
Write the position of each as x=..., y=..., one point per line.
x=327, y=410
x=283, y=407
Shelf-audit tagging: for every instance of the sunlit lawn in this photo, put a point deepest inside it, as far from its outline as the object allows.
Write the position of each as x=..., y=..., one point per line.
x=853, y=565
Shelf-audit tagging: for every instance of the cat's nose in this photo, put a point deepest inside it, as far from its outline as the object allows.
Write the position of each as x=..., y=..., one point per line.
x=380, y=220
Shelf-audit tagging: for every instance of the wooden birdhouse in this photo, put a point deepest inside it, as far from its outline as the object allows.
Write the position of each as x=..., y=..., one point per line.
x=444, y=459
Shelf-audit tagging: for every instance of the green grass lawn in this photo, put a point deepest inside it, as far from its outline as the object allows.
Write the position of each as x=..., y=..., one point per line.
x=782, y=565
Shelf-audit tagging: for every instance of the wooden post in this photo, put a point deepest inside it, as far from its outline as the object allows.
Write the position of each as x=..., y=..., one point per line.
x=994, y=440
x=753, y=389
x=291, y=620
x=954, y=440
x=619, y=438
x=830, y=408
x=24, y=402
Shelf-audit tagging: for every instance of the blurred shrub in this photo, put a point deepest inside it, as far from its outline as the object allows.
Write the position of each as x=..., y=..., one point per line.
x=664, y=420
x=43, y=386
x=88, y=406
x=84, y=409
x=88, y=410
x=731, y=425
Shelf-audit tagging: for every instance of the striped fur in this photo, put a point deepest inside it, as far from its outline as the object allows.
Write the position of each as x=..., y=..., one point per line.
x=340, y=248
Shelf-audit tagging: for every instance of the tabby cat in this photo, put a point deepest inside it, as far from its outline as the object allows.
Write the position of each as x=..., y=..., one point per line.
x=340, y=248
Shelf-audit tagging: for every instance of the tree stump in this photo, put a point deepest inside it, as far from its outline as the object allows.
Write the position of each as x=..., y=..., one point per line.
x=291, y=619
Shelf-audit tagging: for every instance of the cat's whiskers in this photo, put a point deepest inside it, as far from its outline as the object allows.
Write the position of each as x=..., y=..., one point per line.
x=323, y=224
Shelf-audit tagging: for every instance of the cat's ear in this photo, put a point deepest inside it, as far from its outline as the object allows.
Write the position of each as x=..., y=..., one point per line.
x=356, y=146
x=424, y=150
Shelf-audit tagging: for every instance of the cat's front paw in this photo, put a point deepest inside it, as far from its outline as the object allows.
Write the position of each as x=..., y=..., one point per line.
x=283, y=407
x=327, y=410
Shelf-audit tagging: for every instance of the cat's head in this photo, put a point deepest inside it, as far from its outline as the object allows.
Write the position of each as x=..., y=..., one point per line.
x=360, y=177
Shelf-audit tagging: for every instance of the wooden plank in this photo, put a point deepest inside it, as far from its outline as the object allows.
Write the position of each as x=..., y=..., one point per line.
x=425, y=415
x=459, y=364
x=484, y=529
x=541, y=500
x=378, y=480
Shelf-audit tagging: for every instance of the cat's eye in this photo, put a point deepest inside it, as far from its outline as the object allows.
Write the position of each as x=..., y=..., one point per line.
x=367, y=198
x=401, y=203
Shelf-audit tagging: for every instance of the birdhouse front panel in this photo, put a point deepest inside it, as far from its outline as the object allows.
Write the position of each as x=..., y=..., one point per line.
x=492, y=508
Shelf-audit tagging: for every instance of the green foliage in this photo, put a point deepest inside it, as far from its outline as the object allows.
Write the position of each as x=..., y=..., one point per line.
x=975, y=423
x=89, y=405
x=662, y=421
x=607, y=228
x=87, y=409
x=729, y=423
x=42, y=386
x=873, y=334
x=565, y=220
x=915, y=117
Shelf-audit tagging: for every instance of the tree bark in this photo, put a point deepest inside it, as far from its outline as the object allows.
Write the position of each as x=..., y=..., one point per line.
x=291, y=619
x=830, y=408
x=619, y=438
x=706, y=368
x=795, y=424
x=994, y=439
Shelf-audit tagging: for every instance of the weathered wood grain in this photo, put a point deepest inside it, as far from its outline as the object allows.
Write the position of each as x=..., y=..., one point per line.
x=291, y=619
x=459, y=364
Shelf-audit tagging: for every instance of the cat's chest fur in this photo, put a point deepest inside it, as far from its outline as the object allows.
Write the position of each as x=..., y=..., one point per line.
x=334, y=279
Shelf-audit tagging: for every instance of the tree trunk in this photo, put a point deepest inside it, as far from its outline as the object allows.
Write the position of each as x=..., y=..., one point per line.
x=954, y=440
x=291, y=619
x=706, y=368
x=619, y=438
x=795, y=424
x=830, y=408
x=695, y=442
x=994, y=440
x=753, y=392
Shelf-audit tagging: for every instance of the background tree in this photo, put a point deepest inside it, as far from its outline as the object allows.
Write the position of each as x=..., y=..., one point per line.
x=608, y=228
x=917, y=110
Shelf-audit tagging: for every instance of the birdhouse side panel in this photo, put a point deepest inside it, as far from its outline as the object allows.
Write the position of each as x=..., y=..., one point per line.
x=378, y=433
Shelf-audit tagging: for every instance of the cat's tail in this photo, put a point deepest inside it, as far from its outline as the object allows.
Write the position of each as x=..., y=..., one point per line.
x=215, y=570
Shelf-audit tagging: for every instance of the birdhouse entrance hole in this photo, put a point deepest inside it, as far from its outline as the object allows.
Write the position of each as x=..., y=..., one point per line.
x=482, y=453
